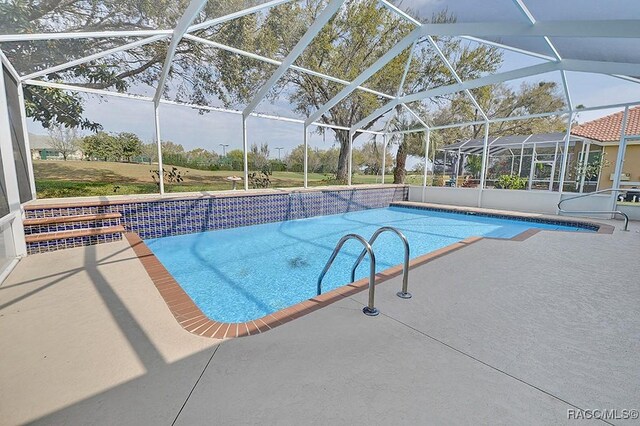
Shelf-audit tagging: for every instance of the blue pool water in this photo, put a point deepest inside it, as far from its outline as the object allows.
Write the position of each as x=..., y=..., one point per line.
x=240, y=274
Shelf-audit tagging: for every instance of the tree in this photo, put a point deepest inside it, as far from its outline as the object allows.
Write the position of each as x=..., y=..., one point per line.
x=150, y=151
x=119, y=71
x=496, y=101
x=130, y=145
x=64, y=140
x=171, y=148
x=259, y=155
x=99, y=146
x=352, y=41
x=474, y=165
x=236, y=158
x=369, y=158
x=108, y=147
x=502, y=101
x=202, y=158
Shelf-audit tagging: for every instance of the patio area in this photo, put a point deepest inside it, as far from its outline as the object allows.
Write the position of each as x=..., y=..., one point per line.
x=497, y=332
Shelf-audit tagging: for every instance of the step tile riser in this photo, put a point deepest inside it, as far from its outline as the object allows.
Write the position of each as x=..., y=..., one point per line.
x=70, y=226
x=68, y=211
x=65, y=243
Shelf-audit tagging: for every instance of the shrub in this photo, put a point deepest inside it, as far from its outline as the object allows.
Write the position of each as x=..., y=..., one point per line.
x=511, y=182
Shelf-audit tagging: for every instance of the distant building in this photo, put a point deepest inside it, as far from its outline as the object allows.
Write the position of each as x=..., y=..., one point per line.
x=605, y=132
x=41, y=149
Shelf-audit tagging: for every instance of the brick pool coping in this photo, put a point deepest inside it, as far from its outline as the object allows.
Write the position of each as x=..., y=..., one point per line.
x=193, y=320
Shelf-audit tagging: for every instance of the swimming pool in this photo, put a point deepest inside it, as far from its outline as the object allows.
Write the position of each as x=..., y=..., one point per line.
x=241, y=274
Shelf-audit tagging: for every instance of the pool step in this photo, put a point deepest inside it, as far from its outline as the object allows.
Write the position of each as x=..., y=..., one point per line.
x=67, y=219
x=69, y=223
x=44, y=234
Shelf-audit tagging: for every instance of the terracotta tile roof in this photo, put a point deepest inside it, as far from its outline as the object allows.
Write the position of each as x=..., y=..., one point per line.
x=607, y=129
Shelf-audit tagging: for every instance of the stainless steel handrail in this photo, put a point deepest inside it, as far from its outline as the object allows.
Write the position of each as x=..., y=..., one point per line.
x=626, y=217
x=405, y=268
x=370, y=308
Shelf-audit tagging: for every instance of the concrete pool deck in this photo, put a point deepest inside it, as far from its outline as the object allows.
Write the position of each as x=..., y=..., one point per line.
x=498, y=332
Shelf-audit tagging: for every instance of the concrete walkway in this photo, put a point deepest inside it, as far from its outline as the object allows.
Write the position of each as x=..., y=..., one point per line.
x=500, y=332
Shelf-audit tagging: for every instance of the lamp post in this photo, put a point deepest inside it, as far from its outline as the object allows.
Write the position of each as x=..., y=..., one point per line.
x=224, y=148
x=279, y=150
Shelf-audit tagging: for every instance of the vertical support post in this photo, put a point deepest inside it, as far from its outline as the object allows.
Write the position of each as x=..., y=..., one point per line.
x=521, y=159
x=617, y=174
x=426, y=162
x=426, y=156
x=10, y=177
x=245, y=153
x=565, y=158
x=580, y=165
x=444, y=163
x=27, y=144
x=384, y=155
x=458, y=165
x=513, y=162
x=553, y=168
x=306, y=157
x=483, y=171
x=531, y=170
x=159, y=143
x=350, y=168
x=585, y=163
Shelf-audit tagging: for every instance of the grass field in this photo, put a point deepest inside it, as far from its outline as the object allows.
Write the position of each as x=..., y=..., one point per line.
x=85, y=178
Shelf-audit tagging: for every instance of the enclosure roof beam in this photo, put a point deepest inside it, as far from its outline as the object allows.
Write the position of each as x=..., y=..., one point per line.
x=565, y=64
x=236, y=15
x=5, y=61
x=601, y=67
x=101, y=92
x=509, y=48
x=400, y=92
x=453, y=88
x=276, y=62
x=529, y=16
x=524, y=117
x=627, y=28
x=93, y=57
x=473, y=31
x=187, y=18
x=395, y=9
x=411, y=19
x=82, y=89
x=366, y=74
x=81, y=34
x=417, y=117
x=456, y=76
x=328, y=12
x=627, y=78
x=135, y=33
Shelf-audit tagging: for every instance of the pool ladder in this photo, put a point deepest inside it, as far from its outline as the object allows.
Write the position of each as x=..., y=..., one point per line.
x=602, y=191
x=370, y=309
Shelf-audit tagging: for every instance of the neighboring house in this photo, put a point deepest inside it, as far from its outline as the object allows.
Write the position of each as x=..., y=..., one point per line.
x=41, y=149
x=605, y=132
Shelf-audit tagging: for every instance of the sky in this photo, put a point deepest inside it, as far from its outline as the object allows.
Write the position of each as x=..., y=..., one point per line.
x=186, y=126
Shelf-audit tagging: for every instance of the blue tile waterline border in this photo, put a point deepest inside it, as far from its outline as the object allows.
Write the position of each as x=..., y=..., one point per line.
x=515, y=216
x=162, y=218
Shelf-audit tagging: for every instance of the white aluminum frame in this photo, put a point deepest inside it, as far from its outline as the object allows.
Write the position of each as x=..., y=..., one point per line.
x=469, y=31
x=9, y=169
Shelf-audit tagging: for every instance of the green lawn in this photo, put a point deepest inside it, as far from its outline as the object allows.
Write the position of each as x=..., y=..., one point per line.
x=86, y=178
